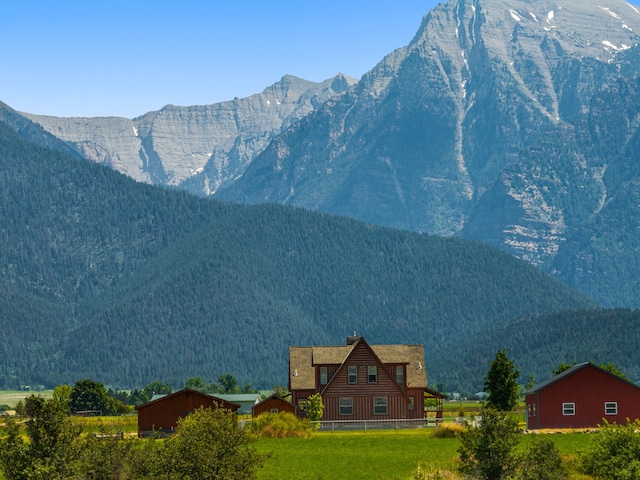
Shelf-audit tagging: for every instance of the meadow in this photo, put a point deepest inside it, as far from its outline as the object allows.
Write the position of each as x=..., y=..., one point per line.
x=379, y=455
x=376, y=455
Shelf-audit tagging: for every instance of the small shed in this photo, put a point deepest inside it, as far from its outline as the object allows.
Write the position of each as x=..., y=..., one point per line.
x=273, y=404
x=162, y=414
x=582, y=397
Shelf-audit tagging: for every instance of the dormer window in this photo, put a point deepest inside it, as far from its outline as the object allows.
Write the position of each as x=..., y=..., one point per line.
x=323, y=375
x=400, y=375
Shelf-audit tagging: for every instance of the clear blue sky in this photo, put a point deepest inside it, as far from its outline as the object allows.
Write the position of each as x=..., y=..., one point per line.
x=125, y=58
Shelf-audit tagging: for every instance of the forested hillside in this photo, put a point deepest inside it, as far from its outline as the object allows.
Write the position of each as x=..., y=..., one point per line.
x=539, y=343
x=106, y=278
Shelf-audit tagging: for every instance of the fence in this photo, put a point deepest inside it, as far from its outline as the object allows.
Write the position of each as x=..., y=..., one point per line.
x=397, y=424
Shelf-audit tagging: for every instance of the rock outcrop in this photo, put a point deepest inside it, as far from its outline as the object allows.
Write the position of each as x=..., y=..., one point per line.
x=199, y=148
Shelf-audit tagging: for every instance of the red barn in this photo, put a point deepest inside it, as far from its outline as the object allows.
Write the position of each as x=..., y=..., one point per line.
x=359, y=381
x=582, y=397
x=273, y=404
x=162, y=414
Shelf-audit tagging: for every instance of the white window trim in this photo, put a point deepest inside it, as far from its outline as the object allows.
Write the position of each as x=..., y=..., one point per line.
x=369, y=375
x=340, y=406
x=385, y=405
x=349, y=375
x=568, y=406
x=609, y=404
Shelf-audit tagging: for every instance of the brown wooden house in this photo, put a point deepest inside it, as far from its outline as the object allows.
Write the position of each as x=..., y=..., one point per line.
x=582, y=397
x=273, y=404
x=359, y=381
x=162, y=414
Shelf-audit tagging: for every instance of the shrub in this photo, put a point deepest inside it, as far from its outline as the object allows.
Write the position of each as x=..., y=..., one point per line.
x=487, y=451
x=280, y=425
x=541, y=462
x=452, y=430
x=614, y=453
x=433, y=473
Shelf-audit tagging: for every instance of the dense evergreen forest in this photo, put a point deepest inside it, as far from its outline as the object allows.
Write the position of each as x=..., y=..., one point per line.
x=105, y=278
x=539, y=343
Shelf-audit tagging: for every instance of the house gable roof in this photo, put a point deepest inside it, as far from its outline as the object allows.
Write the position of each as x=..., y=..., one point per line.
x=302, y=362
x=571, y=371
x=359, y=345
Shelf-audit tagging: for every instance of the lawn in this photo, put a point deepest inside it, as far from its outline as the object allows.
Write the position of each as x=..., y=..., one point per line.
x=349, y=455
x=380, y=455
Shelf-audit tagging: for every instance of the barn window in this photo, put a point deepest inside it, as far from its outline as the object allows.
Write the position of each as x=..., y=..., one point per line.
x=346, y=406
x=399, y=374
x=380, y=405
x=372, y=371
x=610, y=408
x=568, y=409
x=353, y=374
x=323, y=375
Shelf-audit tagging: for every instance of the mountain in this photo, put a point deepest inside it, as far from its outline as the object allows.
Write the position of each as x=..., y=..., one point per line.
x=511, y=122
x=126, y=283
x=514, y=123
x=197, y=148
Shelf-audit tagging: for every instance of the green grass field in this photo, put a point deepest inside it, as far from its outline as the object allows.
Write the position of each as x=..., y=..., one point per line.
x=12, y=397
x=349, y=455
x=380, y=455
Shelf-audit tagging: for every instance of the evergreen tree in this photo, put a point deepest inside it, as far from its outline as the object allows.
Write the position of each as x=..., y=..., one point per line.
x=501, y=383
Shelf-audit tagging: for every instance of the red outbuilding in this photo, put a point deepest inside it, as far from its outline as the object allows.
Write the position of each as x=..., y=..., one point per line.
x=582, y=397
x=273, y=404
x=162, y=414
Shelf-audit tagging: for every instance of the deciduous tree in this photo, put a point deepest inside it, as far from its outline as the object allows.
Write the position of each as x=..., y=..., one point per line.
x=53, y=445
x=314, y=407
x=209, y=445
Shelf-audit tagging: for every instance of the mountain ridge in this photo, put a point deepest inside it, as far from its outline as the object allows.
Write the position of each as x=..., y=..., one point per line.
x=514, y=123
x=103, y=277
x=199, y=147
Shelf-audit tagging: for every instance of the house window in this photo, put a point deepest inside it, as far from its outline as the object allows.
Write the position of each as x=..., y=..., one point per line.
x=412, y=403
x=302, y=404
x=568, y=409
x=353, y=374
x=380, y=405
x=372, y=371
x=323, y=375
x=400, y=374
x=346, y=406
x=274, y=410
x=610, y=408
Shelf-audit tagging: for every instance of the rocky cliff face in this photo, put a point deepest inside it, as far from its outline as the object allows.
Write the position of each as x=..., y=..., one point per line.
x=198, y=148
x=501, y=121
